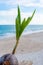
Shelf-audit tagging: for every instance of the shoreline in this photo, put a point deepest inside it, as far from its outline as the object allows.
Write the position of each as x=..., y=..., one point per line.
x=27, y=33
x=10, y=35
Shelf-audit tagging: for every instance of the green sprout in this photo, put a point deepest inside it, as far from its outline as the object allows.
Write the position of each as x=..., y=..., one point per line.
x=20, y=26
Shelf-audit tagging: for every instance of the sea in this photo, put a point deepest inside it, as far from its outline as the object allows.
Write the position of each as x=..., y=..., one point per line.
x=9, y=30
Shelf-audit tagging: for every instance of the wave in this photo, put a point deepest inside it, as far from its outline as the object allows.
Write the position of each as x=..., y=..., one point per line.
x=30, y=32
x=6, y=35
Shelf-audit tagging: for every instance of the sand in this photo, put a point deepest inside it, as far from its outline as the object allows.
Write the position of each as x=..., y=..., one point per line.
x=30, y=46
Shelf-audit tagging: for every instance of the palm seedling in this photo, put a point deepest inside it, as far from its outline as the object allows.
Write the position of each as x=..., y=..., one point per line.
x=10, y=59
x=20, y=26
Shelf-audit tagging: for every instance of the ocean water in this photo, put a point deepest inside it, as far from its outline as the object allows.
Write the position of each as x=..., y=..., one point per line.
x=9, y=30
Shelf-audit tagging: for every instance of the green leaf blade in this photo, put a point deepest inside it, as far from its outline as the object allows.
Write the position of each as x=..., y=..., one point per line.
x=17, y=29
x=19, y=16
x=26, y=22
x=18, y=24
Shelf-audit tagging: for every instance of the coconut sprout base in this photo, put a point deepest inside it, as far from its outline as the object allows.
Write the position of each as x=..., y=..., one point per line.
x=8, y=59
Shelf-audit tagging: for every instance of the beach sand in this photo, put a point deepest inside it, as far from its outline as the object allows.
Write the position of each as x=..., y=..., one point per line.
x=29, y=44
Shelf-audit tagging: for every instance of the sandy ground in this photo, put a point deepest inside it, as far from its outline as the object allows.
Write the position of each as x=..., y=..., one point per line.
x=31, y=43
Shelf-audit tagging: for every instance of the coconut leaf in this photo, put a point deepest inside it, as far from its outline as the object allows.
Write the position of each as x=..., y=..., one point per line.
x=25, y=23
x=18, y=24
x=17, y=28
x=19, y=16
x=21, y=26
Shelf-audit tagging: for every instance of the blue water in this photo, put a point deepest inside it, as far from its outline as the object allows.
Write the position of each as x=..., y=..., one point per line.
x=9, y=30
x=5, y=29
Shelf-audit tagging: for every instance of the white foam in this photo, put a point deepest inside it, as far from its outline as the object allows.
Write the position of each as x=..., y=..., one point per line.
x=7, y=35
x=30, y=32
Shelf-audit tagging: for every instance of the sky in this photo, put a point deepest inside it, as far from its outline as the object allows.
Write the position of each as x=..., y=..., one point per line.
x=8, y=11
